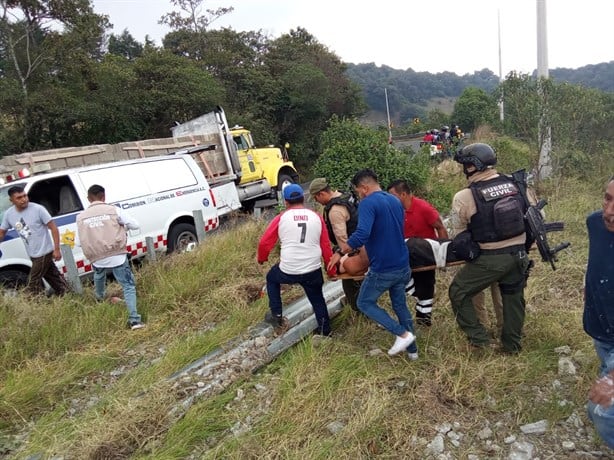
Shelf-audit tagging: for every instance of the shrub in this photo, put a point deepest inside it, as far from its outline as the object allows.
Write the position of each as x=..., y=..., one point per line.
x=350, y=147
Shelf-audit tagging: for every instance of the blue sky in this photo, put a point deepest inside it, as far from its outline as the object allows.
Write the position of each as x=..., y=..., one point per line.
x=425, y=35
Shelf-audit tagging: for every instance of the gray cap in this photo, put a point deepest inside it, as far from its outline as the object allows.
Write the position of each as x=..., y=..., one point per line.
x=317, y=185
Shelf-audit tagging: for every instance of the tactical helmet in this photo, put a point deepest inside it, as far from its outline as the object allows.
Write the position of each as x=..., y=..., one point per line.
x=479, y=155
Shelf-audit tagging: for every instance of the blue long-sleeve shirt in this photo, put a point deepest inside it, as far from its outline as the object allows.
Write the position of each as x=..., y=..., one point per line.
x=598, y=316
x=380, y=230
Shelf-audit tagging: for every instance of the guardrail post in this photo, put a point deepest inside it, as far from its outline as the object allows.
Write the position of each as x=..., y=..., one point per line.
x=151, y=250
x=72, y=274
x=200, y=225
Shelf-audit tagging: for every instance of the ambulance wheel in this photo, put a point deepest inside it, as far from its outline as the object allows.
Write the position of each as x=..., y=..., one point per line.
x=11, y=280
x=182, y=238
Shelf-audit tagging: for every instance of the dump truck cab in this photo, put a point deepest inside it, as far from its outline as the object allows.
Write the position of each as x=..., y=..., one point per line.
x=270, y=163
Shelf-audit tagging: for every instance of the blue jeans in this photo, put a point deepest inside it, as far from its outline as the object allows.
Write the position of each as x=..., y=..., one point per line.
x=603, y=417
x=311, y=283
x=123, y=275
x=372, y=288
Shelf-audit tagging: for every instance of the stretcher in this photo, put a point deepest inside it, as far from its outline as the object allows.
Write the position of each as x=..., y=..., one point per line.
x=424, y=254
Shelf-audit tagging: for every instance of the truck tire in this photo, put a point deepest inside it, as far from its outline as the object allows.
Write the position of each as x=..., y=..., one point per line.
x=181, y=237
x=248, y=206
x=283, y=180
x=12, y=279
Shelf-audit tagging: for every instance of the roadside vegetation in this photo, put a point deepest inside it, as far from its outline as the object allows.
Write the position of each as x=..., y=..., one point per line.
x=75, y=383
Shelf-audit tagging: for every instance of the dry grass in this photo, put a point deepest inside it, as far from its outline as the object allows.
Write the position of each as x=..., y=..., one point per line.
x=82, y=386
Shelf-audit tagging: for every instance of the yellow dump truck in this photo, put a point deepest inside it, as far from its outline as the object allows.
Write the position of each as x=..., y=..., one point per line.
x=230, y=154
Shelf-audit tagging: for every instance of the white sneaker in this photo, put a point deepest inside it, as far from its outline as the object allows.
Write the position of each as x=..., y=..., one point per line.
x=412, y=356
x=401, y=343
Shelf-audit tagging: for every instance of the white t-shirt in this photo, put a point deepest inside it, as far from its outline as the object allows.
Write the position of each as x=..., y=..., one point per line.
x=31, y=225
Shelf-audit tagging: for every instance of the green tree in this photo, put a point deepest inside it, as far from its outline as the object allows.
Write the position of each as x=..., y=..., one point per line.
x=125, y=45
x=474, y=107
x=47, y=48
x=581, y=121
x=171, y=88
x=521, y=104
x=313, y=87
x=191, y=16
x=350, y=146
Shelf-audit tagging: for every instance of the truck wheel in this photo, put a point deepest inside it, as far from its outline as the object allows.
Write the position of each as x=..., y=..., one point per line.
x=11, y=280
x=248, y=206
x=181, y=238
x=283, y=180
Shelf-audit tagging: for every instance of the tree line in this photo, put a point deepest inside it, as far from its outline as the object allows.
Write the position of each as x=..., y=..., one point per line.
x=409, y=92
x=65, y=82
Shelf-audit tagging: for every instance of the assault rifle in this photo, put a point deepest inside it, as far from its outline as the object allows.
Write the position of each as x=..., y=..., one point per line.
x=537, y=229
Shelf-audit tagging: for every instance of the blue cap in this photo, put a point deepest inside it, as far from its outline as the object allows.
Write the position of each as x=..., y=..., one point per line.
x=293, y=191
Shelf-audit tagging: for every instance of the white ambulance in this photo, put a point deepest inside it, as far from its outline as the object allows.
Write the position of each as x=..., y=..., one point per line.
x=161, y=193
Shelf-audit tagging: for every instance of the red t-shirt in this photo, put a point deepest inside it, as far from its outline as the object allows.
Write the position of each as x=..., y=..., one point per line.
x=419, y=219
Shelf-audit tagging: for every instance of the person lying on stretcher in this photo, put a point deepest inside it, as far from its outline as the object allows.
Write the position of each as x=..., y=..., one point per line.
x=424, y=253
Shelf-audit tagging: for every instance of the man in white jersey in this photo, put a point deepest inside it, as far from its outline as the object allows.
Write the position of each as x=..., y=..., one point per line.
x=304, y=242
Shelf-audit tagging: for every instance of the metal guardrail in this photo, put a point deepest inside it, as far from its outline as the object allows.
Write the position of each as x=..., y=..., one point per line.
x=227, y=364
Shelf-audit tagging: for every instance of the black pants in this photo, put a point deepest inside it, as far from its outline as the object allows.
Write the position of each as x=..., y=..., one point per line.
x=351, y=288
x=311, y=283
x=44, y=267
x=424, y=285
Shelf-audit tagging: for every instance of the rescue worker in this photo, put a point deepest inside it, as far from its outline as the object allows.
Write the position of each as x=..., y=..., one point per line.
x=491, y=209
x=304, y=242
x=422, y=220
x=341, y=218
x=380, y=229
x=101, y=232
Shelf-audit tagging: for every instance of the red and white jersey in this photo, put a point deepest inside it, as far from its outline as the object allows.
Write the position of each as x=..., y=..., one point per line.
x=304, y=241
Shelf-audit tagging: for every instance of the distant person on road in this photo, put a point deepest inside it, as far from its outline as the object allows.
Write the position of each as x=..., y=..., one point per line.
x=599, y=312
x=422, y=220
x=102, y=234
x=428, y=137
x=304, y=242
x=33, y=224
x=341, y=218
x=380, y=230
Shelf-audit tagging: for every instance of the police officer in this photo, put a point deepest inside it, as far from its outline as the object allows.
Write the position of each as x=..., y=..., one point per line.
x=491, y=209
x=341, y=218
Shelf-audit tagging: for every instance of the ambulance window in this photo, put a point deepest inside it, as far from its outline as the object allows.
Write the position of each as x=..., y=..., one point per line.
x=4, y=200
x=137, y=180
x=56, y=194
x=168, y=175
x=121, y=183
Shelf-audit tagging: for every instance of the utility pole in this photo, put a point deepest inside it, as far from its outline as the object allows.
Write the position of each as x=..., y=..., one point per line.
x=501, y=109
x=388, y=116
x=544, y=166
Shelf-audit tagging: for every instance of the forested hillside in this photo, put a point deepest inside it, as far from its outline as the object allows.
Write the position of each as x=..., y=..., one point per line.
x=409, y=92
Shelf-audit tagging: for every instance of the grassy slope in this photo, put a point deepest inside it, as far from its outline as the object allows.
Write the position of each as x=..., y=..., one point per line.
x=82, y=386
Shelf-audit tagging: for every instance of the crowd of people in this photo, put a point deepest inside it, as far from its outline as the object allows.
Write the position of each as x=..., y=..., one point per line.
x=443, y=142
x=489, y=231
